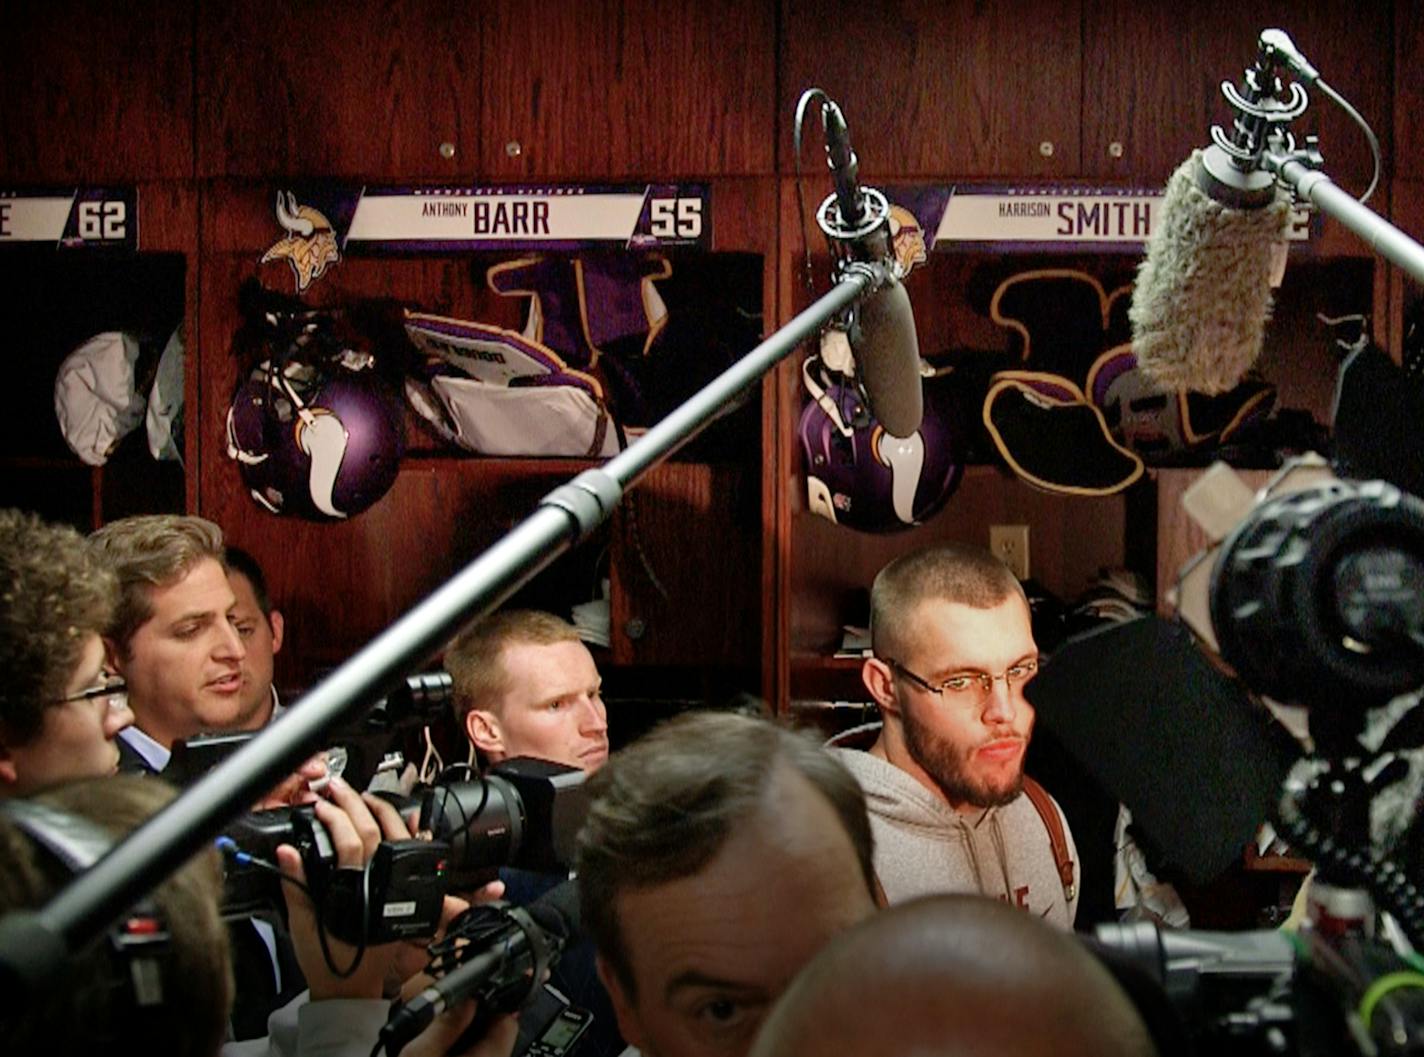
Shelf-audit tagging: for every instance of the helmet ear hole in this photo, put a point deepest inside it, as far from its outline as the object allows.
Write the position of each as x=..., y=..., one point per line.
x=870, y=480
x=320, y=442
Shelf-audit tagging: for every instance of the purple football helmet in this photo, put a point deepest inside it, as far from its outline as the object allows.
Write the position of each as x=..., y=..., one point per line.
x=862, y=477
x=321, y=443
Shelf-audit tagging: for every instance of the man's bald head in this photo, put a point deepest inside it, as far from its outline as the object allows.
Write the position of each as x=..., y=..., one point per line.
x=954, y=976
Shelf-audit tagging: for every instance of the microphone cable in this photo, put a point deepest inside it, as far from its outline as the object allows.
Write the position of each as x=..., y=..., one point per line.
x=230, y=849
x=1355, y=116
x=806, y=97
x=1382, y=876
x=1277, y=48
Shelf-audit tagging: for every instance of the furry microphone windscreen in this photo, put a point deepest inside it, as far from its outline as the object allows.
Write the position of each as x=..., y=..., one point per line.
x=1203, y=294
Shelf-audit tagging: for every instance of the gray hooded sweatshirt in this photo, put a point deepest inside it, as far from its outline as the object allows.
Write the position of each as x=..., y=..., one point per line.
x=923, y=846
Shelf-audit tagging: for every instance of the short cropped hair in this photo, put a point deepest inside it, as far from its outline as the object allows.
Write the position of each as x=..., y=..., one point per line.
x=948, y=572
x=662, y=808
x=475, y=658
x=54, y=594
x=148, y=551
x=87, y=1013
x=927, y=977
x=240, y=561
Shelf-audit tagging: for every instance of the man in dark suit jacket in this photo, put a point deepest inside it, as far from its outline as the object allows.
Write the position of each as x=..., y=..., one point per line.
x=171, y=637
x=175, y=639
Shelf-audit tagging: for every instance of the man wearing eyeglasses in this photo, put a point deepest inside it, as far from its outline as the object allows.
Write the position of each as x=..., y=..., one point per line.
x=950, y=806
x=60, y=708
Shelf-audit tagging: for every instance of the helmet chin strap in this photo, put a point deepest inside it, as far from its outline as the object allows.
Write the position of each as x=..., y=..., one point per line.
x=905, y=458
x=235, y=449
x=819, y=394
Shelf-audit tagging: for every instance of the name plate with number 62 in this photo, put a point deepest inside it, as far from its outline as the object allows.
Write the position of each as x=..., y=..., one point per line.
x=70, y=218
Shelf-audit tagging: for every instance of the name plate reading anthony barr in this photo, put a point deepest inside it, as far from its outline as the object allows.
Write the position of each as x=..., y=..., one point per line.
x=445, y=220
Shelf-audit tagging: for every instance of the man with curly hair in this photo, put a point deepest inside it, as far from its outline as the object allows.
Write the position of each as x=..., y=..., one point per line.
x=60, y=708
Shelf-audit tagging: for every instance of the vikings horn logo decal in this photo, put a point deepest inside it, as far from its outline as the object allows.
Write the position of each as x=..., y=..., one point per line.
x=908, y=239
x=321, y=435
x=905, y=458
x=309, y=245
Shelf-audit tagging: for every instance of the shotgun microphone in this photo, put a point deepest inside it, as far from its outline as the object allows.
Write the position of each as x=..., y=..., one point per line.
x=845, y=167
x=1203, y=294
x=883, y=340
x=508, y=953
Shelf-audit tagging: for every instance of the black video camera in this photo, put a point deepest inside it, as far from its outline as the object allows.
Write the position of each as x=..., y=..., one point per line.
x=525, y=813
x=420, y=701
x=1314, y=596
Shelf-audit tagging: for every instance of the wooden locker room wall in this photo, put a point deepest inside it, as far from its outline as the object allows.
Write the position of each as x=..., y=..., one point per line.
x=204, y=104
x=605, y=92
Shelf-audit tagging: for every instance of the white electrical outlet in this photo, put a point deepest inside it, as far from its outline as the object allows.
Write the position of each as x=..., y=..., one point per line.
x=1010, y=545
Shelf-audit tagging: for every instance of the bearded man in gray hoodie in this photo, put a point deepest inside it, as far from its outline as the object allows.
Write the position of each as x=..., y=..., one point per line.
x=950, y=806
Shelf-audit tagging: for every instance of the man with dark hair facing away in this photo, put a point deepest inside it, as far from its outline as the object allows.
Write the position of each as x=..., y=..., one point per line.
x=954, y=976
x=92, y=1010
x=262, y=628
x=719, y=854
x=182, y=1009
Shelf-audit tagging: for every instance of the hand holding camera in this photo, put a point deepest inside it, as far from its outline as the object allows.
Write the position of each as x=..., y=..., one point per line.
x=356, y=826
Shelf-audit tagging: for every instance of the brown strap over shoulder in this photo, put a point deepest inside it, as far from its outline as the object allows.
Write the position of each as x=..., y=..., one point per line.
x=881, y=902
x=1048, y=811
x=600, y=431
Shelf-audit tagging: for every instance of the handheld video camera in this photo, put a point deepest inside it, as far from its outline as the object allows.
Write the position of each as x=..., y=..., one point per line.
x=525, y=813
x=366, y=746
